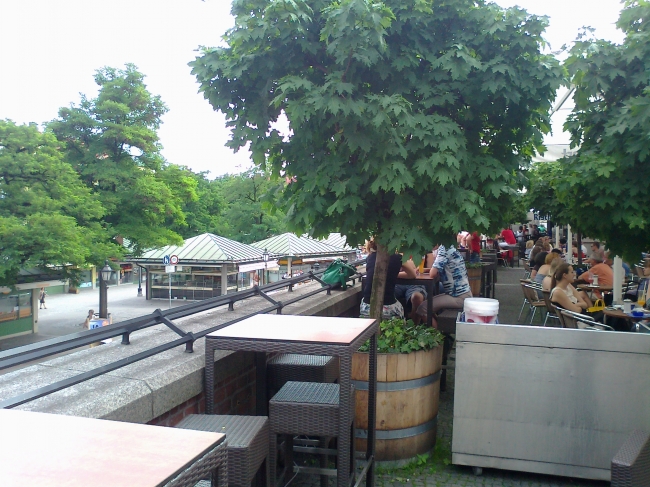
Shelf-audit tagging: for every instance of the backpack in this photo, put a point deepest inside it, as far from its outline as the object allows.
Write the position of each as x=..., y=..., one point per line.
x=337, y=274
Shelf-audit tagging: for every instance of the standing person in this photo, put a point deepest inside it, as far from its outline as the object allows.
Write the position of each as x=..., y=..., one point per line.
x=450, y=266
x=41, y=299
x=474, y=245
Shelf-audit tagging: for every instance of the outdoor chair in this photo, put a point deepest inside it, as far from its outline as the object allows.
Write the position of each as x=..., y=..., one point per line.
x=525, y=302
x=301, y=368
x=534, y=302
x=551, y=310
x=583, y=322
x=248, y=446
x=527, y=269
x=631, y=464
x=311, y=409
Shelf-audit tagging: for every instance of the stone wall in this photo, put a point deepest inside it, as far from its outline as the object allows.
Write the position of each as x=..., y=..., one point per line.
x=163, y=388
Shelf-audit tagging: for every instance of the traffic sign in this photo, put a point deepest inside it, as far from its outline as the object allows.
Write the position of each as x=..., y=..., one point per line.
x=166, y=260
x=173, y=260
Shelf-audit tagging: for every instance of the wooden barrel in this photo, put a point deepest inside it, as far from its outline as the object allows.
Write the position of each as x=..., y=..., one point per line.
x=474, y=278
x=408, y=393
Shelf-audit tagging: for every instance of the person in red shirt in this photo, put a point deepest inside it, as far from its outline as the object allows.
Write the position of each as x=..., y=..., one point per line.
x=474, y=244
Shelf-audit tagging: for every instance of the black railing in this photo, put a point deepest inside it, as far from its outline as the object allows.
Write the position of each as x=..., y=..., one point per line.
x=47, y=348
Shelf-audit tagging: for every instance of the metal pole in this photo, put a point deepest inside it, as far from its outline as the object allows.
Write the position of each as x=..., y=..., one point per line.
x=103, y=297
x=170, y=290
x=569, y=244
x=140, y=282
x=618, y=280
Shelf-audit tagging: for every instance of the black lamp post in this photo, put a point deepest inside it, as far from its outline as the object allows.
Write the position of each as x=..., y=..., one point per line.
x=265, y=258
x=104, y=276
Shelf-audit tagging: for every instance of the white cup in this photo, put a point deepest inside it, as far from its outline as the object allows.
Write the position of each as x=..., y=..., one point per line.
x=627, y=306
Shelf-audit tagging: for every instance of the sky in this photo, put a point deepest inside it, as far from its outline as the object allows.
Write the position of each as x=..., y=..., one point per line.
x=50, y=49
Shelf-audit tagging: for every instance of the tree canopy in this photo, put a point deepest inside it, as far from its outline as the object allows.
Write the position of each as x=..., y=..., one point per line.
x=407, y=118
x=112, y=142
x=606, y=186
x=48, y=217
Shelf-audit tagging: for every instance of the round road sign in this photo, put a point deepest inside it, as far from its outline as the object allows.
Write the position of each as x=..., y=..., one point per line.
x=173, y=260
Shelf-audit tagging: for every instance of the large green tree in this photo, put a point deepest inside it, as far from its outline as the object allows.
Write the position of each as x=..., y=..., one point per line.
x=408, y=119
x=48, y=218
x=249, y=214
x=606, y=186
x=112, y=142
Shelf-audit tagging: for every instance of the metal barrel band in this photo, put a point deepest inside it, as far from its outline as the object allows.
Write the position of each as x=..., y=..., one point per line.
x=399, y=434
x=403, y=385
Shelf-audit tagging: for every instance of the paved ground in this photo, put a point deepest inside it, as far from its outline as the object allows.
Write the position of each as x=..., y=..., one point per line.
x=66, y=313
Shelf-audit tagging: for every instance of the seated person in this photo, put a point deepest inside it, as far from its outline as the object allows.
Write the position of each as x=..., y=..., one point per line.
x=410, y=292
x=508, y=238
x=540, y=259
x=547, y=282
x=602, y=270
x=529, y=247
x=392, y=307
x=561, y=294
x=450, y=267
x=544, y=269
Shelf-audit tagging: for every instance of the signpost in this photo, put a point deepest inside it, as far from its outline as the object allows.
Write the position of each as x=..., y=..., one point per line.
x=169, y=269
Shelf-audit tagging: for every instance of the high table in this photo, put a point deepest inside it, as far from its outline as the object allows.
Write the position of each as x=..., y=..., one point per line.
x=39, y=449
x=431, y=285
x=309, y=335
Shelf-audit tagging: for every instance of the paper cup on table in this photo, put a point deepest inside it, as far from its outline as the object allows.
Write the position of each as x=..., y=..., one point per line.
x=627, y=306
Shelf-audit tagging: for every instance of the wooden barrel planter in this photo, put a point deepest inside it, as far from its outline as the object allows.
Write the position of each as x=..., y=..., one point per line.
x=474, y=278
x=408, y=394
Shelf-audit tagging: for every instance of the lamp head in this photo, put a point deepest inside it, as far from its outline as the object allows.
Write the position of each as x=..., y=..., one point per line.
x=106, y=271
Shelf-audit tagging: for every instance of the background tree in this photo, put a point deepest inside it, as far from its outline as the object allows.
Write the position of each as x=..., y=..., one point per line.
x=48, y=218
x=607, y=184
x=408, y=118
x=203, y=214
x=249, y=213
x=111, y=141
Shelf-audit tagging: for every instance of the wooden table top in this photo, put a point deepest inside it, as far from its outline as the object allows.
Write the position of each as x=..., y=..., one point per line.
x=52, y=450
x=292, y=328
x=590, y=287
x=617, y=313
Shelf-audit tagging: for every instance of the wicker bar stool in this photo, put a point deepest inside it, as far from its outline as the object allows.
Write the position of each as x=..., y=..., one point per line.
x=306, y=408
x=300, y=368
x=248, y=446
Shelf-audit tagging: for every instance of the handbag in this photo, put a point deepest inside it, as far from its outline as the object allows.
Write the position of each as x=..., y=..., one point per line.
x=337, y=274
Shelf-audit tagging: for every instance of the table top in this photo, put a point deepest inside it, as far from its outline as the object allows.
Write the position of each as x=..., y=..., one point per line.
x=292, y=328
x=619, y=313
x=590, y=287
x=43, y=450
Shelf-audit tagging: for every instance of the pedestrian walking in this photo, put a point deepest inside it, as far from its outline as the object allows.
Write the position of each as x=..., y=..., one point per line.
x=41, y=298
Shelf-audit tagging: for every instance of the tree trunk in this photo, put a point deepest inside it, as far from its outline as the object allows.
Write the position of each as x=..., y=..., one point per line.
x=379, y=282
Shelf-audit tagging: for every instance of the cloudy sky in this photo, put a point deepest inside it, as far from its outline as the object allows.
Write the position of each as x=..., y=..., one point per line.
x=49, y=51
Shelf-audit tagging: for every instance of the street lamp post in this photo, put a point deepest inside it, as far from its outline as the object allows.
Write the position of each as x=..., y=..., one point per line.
x=265, y=258
x=104, y=277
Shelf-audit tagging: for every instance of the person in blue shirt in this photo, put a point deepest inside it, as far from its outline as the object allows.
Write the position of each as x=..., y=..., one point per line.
x=449, y=266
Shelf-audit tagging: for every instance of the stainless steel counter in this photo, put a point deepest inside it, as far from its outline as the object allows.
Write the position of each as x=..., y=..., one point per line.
x=548, y=400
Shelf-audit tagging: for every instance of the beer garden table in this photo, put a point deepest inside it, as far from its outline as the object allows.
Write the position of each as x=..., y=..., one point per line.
x=309, y=335
x=53, y=450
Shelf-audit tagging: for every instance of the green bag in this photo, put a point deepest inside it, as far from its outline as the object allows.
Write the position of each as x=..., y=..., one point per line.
x=337, y=274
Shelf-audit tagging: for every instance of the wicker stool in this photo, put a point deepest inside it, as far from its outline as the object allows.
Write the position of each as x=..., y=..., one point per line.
x=306, y=408
x=301, y=368
x=631, y=464
x=248, y=447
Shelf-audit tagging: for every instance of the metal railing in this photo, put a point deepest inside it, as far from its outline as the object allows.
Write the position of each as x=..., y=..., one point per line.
x=47, y=348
